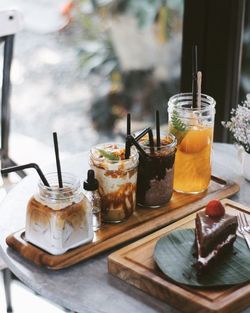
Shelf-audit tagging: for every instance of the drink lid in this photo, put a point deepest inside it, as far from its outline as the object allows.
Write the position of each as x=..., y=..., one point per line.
x=91, y=183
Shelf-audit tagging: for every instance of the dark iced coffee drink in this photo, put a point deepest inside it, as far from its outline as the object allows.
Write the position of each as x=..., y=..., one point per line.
x=155, y=173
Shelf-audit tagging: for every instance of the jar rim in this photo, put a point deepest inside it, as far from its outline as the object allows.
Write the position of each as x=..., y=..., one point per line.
x=206, y=101
x=133, y=154
x=70, y=181
x=170, y=145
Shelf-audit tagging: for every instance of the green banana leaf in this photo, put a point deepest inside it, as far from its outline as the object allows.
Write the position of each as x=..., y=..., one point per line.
x=174, y=256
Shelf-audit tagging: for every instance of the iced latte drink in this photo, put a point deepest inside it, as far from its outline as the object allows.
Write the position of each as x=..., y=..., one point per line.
x=117, y=178
x=59, y=219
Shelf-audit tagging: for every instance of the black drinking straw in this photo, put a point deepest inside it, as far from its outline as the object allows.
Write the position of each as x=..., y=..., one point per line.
x=194, y=76
x=128, y=144
x=128, y=124
x=127, y=148
x=132, y=140
x=142, y=134
x=148, y=131
x=158, y=131
x=151, y=140
x=58, y=165
x=26, y=166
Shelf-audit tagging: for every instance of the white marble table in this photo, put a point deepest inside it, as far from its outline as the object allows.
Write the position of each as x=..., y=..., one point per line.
x=87, y=287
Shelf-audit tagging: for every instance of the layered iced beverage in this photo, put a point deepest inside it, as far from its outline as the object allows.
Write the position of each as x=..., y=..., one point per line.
x=156, y=172
x=117, y=178
x=59, y=219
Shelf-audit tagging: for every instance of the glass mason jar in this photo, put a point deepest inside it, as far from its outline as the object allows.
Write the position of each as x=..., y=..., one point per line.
x=117, y=181
x=193, y=128
x=59, y=219
x=156, y=173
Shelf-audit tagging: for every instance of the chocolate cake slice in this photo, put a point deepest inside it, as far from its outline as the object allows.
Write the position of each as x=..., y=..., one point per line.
x=214, y=237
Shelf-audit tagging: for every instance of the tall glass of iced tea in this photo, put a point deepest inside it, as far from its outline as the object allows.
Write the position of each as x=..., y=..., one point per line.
x=193, y=128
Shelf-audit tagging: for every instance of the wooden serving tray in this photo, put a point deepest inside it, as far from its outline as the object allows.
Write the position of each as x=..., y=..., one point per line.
x=142, y=222
x=135, y=264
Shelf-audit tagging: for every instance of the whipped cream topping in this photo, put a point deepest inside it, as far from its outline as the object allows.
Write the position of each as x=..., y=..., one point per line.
x=205, y=260
x=113, y=165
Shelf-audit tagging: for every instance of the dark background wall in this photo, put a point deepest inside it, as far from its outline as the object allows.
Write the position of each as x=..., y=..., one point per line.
x=217, y=29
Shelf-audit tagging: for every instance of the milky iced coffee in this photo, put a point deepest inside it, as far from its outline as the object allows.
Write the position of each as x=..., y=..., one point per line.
x=59, y=219
x=117, y=178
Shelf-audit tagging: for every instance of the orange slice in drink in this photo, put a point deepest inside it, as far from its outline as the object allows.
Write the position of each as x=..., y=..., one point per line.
x=196, y=140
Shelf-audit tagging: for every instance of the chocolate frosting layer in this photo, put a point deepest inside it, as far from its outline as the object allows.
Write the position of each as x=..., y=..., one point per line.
x=212, y=231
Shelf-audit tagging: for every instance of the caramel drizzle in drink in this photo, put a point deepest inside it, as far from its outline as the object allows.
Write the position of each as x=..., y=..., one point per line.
x=120, y=199
x=117, y=203
x=74, y=214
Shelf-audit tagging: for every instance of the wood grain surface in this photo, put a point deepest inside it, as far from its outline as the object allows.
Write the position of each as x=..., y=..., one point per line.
x=135, y=265
x=143, y=222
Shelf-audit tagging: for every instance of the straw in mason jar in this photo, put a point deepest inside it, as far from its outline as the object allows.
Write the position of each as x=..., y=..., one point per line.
x=151, y=140
x=128, y=124
x=128, y=144
x=132, y=141
x=142, y=134
x=158, y=131
x=194, y=76
x=58, y=165
x=148, y=131
x=26, y=166
x=199, y=80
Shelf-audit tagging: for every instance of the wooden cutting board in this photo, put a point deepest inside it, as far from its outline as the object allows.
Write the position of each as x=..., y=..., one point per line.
x=135, y=265
x=142, y=222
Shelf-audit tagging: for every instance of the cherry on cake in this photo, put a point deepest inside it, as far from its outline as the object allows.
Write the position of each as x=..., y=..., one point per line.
x=215, y=234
